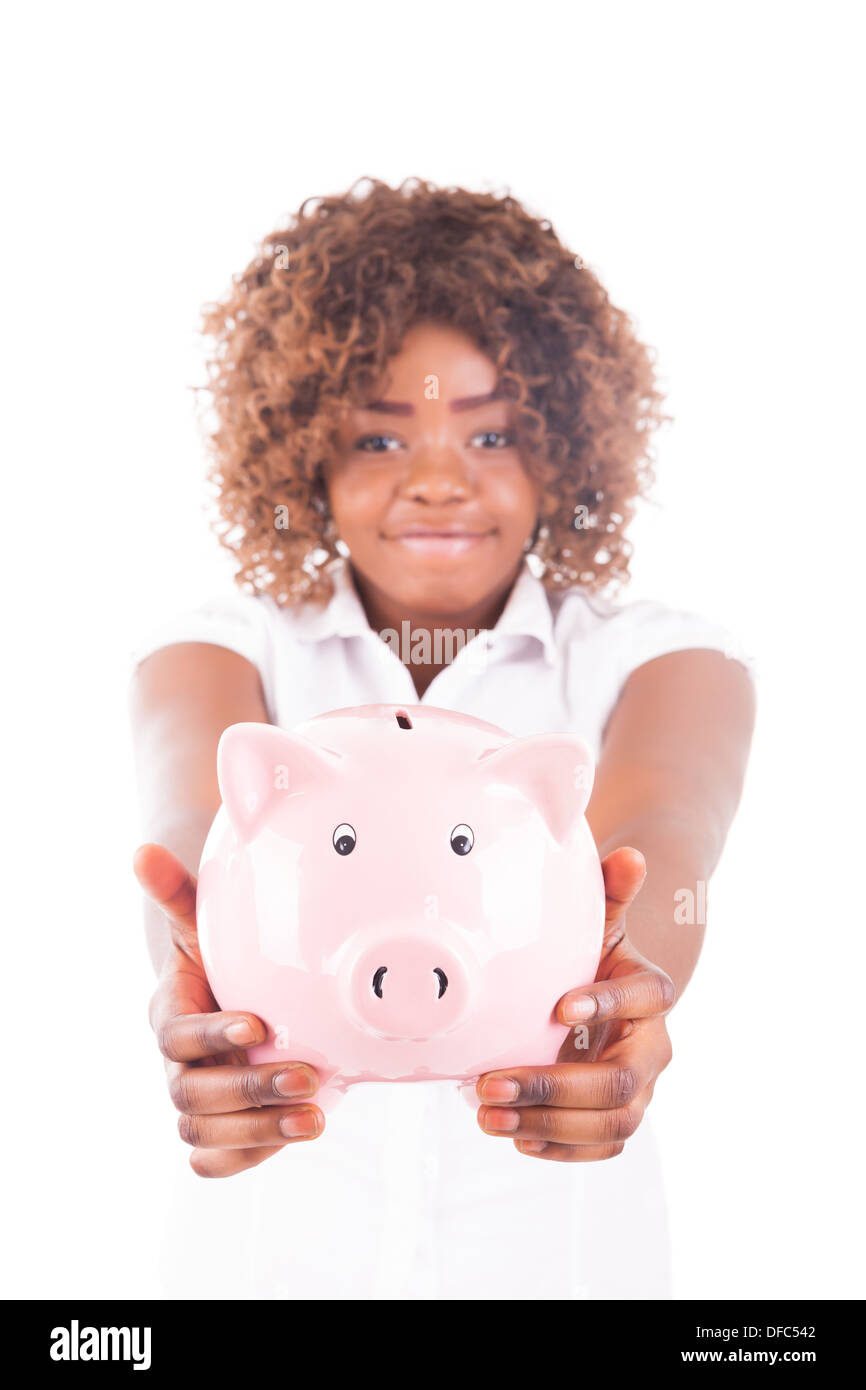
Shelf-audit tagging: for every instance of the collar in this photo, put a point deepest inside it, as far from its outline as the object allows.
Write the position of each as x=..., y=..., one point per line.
x=527, y=611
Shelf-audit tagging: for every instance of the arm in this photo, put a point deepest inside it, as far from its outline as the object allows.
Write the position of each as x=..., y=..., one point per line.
x=667, y=784
x=232, y=1114
x=182, y=697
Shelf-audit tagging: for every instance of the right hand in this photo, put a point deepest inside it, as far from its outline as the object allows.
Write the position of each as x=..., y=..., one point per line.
x=233, y=1114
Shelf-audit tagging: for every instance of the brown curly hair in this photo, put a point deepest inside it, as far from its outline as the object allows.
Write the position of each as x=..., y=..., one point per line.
x=306, y=333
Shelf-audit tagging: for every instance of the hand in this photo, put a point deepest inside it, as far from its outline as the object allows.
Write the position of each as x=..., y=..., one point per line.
x=233, y=1114
x=592, y=1099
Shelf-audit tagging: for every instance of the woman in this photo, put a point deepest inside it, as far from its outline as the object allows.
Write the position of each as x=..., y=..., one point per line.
x=429, y=413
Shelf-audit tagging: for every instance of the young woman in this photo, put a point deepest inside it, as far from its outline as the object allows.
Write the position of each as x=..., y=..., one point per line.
x=429, y=413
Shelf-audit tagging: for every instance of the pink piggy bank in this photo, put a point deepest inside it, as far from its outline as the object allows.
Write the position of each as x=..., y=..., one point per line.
x=400, y=894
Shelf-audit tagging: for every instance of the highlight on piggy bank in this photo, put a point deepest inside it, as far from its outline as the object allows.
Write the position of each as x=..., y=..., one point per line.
x=400, y=893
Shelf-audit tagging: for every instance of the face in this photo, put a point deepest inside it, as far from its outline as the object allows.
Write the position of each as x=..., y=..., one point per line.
x=428, y=490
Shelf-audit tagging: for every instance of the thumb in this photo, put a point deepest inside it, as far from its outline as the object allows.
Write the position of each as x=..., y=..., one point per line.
x=624, y=872
x=169, y=884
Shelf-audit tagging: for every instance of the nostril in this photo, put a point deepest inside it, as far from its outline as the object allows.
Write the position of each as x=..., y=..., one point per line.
x=378, y=978
x=383, y=970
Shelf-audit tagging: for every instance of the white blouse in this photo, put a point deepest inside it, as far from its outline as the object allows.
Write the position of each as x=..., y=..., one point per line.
x=404, y=1196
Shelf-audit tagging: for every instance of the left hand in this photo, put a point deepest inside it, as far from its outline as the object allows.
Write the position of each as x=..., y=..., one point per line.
x=585, y=1106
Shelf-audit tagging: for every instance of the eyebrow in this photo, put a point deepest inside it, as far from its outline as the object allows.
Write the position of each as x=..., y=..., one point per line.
x=405, y=408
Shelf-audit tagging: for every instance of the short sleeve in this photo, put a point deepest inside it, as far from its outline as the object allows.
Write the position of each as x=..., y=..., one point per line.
x=239, y=622
x=648, y=630
x=601, y=642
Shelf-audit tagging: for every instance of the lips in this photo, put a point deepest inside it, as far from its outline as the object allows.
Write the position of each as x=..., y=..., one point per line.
x=445, y=540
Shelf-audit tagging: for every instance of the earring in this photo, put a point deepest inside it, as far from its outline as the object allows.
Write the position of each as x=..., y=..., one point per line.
x=329, y=545
x=332, y=540
x=322, y=552
x=537, y=550
x=546, y=560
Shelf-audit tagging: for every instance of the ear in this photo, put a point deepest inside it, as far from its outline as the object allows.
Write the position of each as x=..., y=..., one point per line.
x=257, y=763
x=554, y=771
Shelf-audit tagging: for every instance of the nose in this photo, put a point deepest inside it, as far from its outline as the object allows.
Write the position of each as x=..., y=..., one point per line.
x=382, y=971
x=408, y=986
x=437, y=477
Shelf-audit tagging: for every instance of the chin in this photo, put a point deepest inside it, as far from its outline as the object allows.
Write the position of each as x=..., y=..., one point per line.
x=446, y=592
x=441, y=588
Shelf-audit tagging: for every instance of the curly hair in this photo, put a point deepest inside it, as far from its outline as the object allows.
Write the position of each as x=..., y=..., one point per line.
x=306, y=332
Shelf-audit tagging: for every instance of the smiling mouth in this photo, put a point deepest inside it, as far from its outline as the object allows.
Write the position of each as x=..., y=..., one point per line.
x=449, y=543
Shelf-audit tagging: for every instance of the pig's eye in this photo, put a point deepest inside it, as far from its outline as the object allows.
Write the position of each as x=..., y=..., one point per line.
x=344, y=839
x=462, y=839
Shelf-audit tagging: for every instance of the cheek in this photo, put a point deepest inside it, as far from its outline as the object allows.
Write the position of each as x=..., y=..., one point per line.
x=514, y=497
x=356, y=498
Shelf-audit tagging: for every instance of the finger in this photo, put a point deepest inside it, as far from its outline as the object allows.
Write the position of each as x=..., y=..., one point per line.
x=224, y=1163
x=568, y=1153
x=183, y=991
x=624, y=871
x=182, y=988
x=252, y=1129
x=169, y=884
x=564, y=1126
x=221, y=1090
x=640, y=994
x=567, y=1085
x=190, y=1037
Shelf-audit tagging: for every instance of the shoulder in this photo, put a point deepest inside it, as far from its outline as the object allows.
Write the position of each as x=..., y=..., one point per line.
x=242, y=622
x=625, y=635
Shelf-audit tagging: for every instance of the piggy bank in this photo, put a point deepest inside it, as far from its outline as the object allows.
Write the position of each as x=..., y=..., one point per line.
x=400, y=894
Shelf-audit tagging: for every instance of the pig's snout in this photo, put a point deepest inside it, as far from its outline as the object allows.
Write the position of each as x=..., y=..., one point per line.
x=383, y=971
x=408, y=987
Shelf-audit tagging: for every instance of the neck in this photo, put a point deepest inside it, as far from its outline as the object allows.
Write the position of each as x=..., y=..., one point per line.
x=426, y=653
x=384, y=612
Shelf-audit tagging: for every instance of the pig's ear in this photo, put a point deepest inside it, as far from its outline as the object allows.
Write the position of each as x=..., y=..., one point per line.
x=257, y=763
x=555, y=771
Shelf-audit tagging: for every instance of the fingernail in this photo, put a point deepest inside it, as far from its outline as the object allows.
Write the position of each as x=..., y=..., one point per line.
x=240, y=1033
x=293, y=1082
x=502, y=1121
x=578, y=1009
x=500, y=1089
x=531, y=1146
x=303, y=1124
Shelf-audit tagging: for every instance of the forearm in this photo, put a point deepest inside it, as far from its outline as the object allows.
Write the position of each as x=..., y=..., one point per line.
x=182, y=699
x=664, y=922
x=186, y=840
x=668, y=784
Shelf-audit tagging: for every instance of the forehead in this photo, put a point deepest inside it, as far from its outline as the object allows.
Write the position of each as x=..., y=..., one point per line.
x=432, y=349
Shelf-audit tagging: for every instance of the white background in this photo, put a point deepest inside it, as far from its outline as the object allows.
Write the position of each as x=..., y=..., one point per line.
x=703, y=160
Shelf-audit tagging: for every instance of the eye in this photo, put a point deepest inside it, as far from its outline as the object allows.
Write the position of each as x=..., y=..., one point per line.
x=344, y=839
x=501, y=440
x=377, y=443
x=462, y=839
